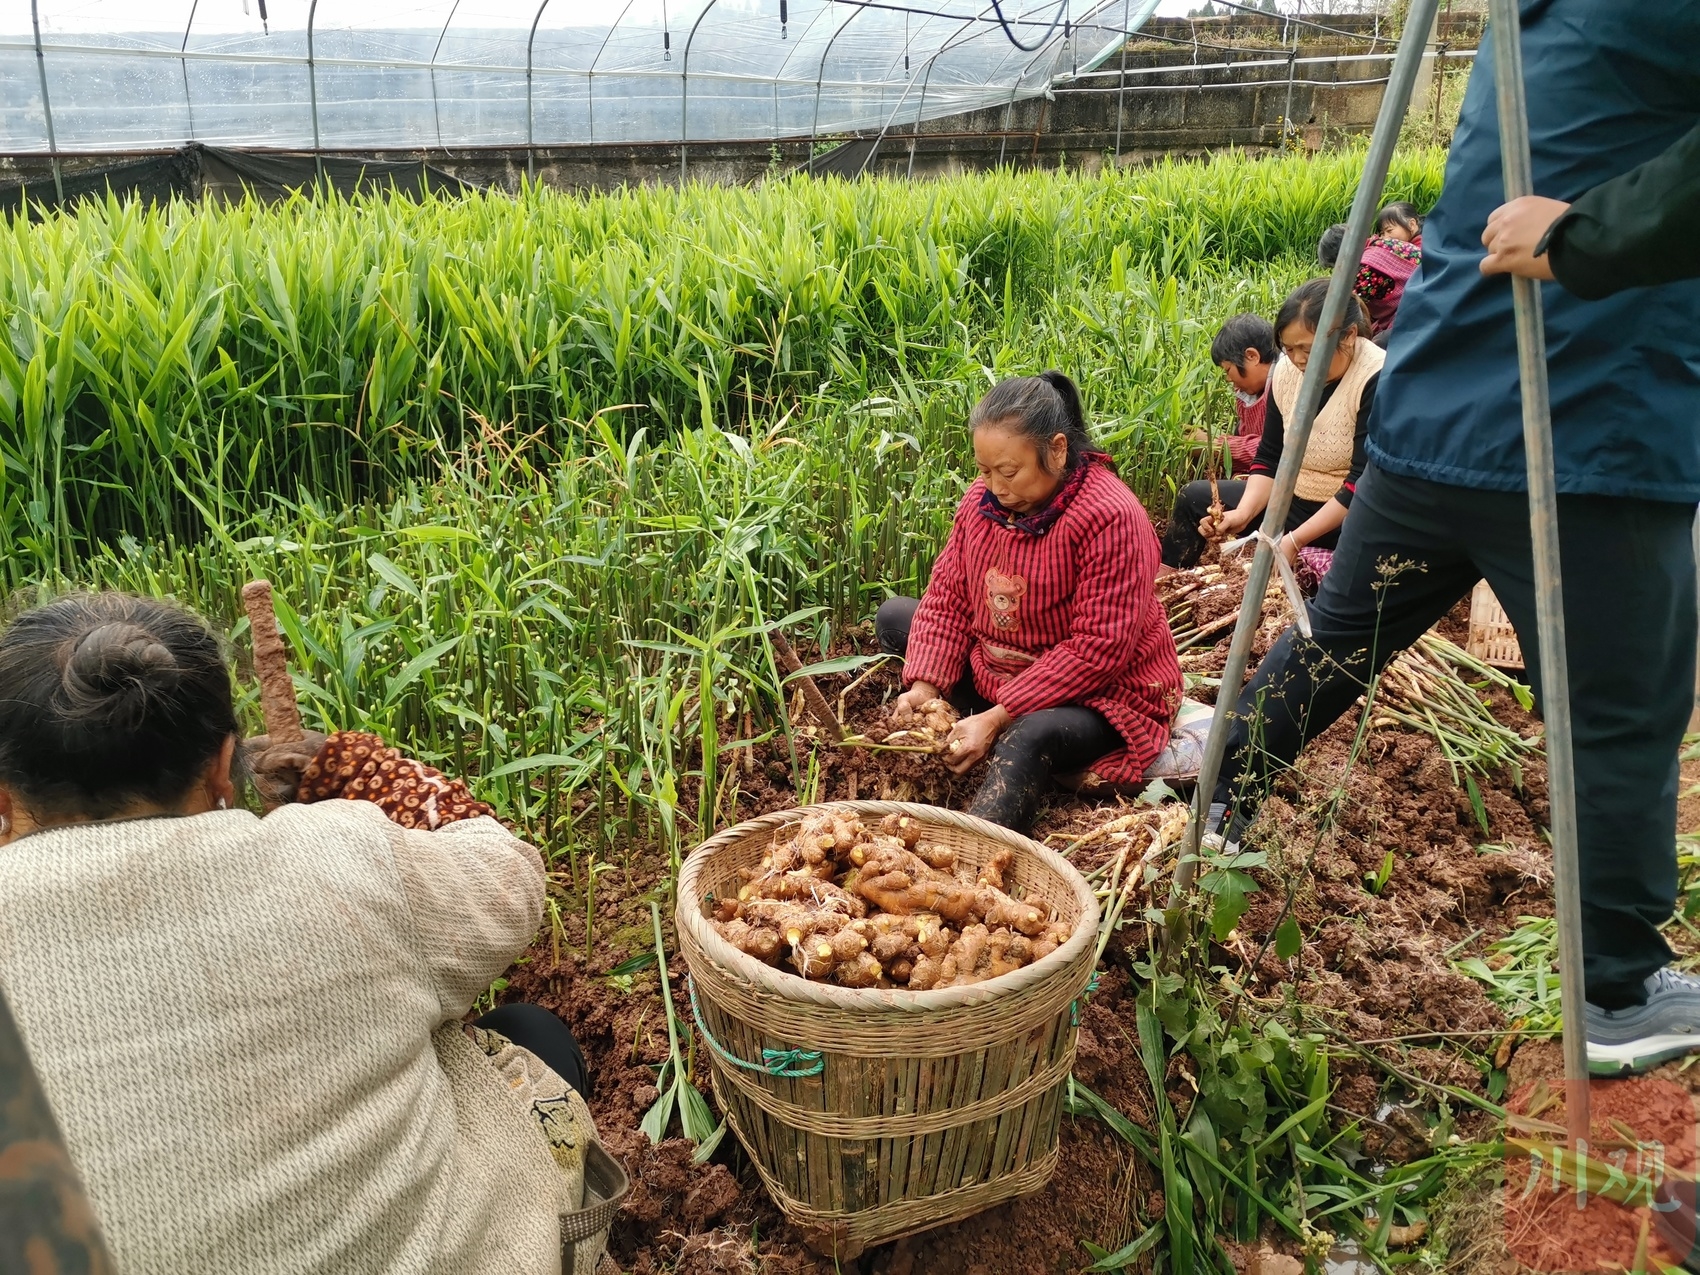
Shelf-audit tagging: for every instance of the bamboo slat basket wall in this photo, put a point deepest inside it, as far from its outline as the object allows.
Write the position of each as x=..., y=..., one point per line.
x=1492, y=640
x=927, y=1107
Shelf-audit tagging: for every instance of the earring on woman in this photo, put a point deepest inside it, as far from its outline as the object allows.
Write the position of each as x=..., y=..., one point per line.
x=5, y=825
x=222, y=804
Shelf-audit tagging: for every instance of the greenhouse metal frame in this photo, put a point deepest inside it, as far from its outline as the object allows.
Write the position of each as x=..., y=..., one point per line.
x=126, y=76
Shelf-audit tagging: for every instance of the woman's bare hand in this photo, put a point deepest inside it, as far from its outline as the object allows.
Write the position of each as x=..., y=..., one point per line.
x=1512, y=232
x=917, y=694
x=1227, y=527
x=276, y=769
x=972, y=738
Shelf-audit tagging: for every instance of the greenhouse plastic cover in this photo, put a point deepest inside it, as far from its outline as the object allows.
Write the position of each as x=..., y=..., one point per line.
x=115, y=75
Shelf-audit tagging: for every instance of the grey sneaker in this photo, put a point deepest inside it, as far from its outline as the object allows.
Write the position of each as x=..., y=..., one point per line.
x=1621, y=1041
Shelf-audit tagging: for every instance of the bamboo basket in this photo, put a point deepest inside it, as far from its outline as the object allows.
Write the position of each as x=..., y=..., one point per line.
x=1492, y=639
x=876, y=1114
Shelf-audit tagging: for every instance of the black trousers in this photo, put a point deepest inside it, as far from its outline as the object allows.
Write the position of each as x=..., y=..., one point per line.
x=1409, y=551
x=535, y=1028
x=1035, y=747
x=1182, y=545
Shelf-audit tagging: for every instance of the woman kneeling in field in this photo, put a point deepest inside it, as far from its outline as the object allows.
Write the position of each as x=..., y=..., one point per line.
x=1039, y=621
x=1334, y=456
x=249, y=1028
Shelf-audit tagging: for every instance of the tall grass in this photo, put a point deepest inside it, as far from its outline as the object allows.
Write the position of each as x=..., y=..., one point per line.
x=164, y=370
x=531, y=474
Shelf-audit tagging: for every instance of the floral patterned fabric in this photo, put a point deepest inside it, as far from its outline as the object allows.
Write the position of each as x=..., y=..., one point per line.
x=1312, y=566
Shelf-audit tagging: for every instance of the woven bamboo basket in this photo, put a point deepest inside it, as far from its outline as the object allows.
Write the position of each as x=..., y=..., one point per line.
x=1492, y=640
x=876, y=1114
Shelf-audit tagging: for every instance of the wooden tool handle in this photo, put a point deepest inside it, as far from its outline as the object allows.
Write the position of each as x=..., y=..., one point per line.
x=811, y=692
x=271, y=665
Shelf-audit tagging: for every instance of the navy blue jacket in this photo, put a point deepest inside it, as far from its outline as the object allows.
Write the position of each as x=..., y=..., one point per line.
x=1610, y=85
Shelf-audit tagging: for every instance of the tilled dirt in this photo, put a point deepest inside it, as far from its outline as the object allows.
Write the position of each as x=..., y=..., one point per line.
x=1376, y=967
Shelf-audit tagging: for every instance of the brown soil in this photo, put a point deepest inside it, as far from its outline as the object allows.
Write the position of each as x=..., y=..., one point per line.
x=1495, y=1232
x=1375, y=966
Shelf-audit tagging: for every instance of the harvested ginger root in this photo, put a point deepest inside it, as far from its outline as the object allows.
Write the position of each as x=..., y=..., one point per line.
x=924, y=727
x=881, y=906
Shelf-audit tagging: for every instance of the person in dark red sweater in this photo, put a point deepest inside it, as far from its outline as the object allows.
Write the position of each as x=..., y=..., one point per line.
x=1245, y=349
x=1039, y=622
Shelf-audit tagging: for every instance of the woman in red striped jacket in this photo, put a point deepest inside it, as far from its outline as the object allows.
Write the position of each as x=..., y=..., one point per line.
x=1039, y=622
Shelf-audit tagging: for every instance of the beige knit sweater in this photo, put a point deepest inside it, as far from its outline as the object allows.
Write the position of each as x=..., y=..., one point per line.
x=1333, y=435
x=247, y=1029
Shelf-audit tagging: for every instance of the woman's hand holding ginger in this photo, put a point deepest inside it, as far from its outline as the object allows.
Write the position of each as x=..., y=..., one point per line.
x=1229, y=525
x=276, y=769
x=972, y=738
x=917, y=694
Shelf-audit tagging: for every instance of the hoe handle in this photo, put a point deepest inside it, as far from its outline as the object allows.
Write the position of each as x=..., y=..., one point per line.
x=271, y=665
x=811, y=690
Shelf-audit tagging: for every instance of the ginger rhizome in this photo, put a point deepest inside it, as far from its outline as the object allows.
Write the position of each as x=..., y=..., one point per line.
x=926, y=727
x=882, y=906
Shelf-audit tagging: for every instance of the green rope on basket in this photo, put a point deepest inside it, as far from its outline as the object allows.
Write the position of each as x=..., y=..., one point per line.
x=793, y=1064
x=1075, y=1004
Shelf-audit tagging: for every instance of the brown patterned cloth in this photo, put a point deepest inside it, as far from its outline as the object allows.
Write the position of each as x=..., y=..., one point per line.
x=356, y=766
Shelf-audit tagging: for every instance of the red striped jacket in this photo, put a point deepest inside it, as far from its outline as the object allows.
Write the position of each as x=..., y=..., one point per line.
x=1066, y=617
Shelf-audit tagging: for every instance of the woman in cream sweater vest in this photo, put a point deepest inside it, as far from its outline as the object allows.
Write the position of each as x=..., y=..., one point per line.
x=1333, y=458
x=249, y=1028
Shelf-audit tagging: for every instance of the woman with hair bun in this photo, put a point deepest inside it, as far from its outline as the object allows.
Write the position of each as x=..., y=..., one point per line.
x=250, y=1028
x=1039, y=622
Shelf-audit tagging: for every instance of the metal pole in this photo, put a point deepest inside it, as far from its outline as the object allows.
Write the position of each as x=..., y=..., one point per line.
x=530, y=128
x=950, y=43
x=188, y=101
x=1549, y=582
x=436, y=52
x=1364, y=207
x=1009, y=106
x=1287, y=111
x=820, y=77
x=685, y=91
x=1121, y=86
x=46, y=107
x=1008, y=110
x=779, y=75
x=1439, y=87
x=313, y=90
x=920, y=110
x=46, y=1220
x=590, y=74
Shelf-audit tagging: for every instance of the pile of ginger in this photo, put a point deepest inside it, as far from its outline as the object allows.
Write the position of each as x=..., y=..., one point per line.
x=882, y=907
